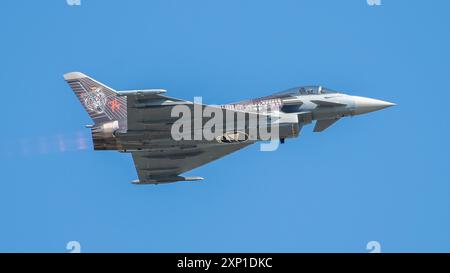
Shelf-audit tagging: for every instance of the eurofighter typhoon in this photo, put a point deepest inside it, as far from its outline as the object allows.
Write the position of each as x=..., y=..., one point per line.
x=168, y=137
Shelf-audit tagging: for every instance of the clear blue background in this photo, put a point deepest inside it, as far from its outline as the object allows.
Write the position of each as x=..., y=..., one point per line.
x=383, y=176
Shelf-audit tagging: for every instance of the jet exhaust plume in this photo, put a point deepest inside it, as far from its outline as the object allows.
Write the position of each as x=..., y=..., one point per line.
x=44, y=145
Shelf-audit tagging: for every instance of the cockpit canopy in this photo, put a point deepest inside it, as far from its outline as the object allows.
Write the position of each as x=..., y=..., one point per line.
x=306, y=90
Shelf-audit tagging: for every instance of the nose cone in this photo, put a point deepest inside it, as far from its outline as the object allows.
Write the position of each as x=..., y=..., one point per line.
x=365, y=105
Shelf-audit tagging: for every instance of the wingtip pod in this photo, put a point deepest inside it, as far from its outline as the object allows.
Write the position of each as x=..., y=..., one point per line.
x=167, y=180
x=141, y=92
x=194, y=178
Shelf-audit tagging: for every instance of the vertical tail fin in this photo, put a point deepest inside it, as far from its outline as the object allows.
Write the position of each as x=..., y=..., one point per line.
x=101, y=102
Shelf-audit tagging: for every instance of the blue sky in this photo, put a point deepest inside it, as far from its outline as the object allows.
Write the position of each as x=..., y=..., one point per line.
x=383, y=176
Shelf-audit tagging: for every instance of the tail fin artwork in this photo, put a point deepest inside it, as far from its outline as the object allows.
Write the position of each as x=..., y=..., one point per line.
x=104, y=106
x=100, y=101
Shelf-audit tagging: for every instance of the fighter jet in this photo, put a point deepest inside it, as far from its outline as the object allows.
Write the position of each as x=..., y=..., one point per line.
x=142, y=122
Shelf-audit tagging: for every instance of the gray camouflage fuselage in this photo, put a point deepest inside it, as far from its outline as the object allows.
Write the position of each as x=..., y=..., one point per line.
x=311, y=103
x=141, y=122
